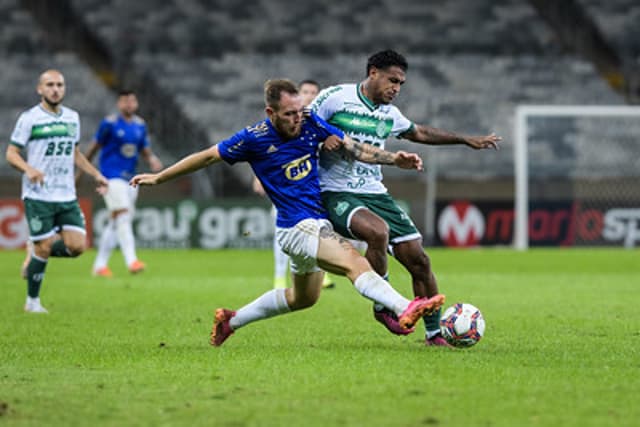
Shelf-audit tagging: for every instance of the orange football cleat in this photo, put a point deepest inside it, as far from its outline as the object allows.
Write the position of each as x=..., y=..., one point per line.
x=137, y=267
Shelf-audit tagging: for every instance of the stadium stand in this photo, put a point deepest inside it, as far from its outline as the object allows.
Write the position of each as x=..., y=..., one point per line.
x=466, y=74
x=25, y=54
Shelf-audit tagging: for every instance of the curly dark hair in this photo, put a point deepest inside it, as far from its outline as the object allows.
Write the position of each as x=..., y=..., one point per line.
x=385, y=59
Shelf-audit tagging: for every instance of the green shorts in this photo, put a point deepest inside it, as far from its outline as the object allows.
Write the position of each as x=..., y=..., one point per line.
x=47, y=218
x=342, y=205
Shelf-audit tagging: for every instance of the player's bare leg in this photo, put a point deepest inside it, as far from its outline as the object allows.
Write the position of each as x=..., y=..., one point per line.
x=373, y=230
x=27, y=259
x=413, y=257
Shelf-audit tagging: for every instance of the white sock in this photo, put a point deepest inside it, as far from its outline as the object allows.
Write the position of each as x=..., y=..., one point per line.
x=431, y=334
x=33, y=301
x=281, y=261
x=271, y=303
x=372, y=286
x=125, y=237
x=108, y=242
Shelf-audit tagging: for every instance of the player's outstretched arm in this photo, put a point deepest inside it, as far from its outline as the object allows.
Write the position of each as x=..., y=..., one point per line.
x=191, y=163
x=428, y=135
x=369, y=154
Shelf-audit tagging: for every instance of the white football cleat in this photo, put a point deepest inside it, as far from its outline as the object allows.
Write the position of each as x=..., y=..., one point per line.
x=33, y=305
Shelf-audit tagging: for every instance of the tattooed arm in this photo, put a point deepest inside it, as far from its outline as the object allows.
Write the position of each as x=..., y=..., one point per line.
x=369, y=154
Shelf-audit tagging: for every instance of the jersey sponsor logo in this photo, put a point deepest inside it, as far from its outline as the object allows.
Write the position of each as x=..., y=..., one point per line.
x=298, y=169
x=128, y=150
x=461, y=224
x=51, y=130
x=59, y=148
x=363, y=124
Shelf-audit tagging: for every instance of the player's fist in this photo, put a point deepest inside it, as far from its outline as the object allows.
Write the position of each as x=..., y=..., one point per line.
x=406, y=160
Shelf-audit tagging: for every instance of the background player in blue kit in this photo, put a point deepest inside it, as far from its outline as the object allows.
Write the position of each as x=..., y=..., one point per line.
x=120, y=138
x=283, y=152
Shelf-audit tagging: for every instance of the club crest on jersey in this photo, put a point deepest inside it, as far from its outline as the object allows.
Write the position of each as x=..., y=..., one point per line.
x=72, y=129
x=381, y=129
x=298, y=169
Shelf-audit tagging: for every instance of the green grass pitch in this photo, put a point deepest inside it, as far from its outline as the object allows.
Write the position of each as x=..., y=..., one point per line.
x=562, y=346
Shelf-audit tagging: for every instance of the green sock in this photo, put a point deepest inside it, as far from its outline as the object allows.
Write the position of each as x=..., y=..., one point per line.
x=35, y=274
x=59, y=249
x=432, y=322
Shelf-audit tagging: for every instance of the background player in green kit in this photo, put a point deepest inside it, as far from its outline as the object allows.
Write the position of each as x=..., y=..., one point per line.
x=358, y=203
x=49, y=132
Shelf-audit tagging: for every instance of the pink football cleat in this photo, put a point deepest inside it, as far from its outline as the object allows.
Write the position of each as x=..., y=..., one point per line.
x=221, y=328
x=390, y=321
x=437, y=340
x=418, y=308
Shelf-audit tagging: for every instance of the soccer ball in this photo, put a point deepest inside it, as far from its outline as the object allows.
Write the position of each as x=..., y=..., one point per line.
x=462, y=325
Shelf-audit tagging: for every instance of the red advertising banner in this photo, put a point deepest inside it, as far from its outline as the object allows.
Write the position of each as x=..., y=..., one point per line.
x=13, y=227
x=464, y=223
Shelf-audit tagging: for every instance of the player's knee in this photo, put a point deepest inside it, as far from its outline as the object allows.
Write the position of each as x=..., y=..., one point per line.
x=378, y=237
x=42, y=249
x=357, y=265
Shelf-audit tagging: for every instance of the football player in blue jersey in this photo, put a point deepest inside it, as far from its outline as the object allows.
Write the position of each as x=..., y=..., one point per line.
x=283, y=153
x=120, y=138
x=308, y=90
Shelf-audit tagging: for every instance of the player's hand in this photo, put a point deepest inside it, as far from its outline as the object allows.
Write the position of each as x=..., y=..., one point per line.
x=35, y=176
x=332, y=143
x=102, y=184
x=482, y=142
x=144, y=179
x=406, y=160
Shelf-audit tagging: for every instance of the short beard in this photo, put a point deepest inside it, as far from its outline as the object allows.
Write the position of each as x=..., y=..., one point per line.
x=51, y=103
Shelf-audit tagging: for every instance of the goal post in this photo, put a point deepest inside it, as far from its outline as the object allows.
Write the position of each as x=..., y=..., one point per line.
x=595, y=147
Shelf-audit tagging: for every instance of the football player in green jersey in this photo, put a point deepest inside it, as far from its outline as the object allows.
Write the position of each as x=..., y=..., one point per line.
x=49, y=133
x=358, y=203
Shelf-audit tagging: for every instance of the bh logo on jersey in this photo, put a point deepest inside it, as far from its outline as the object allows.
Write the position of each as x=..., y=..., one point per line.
x=461, y=224
x=298, y=169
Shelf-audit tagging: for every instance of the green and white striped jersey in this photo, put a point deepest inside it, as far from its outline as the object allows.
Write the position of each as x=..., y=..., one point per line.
x=345, y=107
x=49, y=140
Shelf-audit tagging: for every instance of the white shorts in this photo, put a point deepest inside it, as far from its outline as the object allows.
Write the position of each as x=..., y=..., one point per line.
x=301, y=242
x=120, y=195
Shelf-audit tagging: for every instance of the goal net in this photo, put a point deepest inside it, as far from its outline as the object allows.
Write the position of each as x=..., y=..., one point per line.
x=577, y=176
